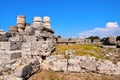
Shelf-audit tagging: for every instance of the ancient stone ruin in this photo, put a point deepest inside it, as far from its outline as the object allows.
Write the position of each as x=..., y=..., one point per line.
x=26, y=44
x=26, y=48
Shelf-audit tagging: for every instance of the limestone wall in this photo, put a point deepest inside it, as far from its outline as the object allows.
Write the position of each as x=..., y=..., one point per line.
x=80, y=64
x=23, y=46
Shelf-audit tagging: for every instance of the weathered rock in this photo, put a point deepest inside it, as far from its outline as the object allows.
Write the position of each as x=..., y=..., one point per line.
x=54, y=63
x=69, y=52
x=74, y=68
x=17, y=38
x=34, y=43
x=21, y=19
x=35, y=64
x=88, y=64
x=37, y=25
x=44, y=65
x=21, y=23
x=47, y=22
x=116, y=70
x=2, y=32
x=118, y=63
x=29, y=30
x=20, y=30
x=106, y=67
x=58, y=65
x=46, y=48
x=5, y=66
x=24, y=69
x=109, y=41
x=10, y=55
x=37, y=19
x=5, y=37
x=13, y=29
x=37, y=33
x=40, y=48
x=51, y=58
x=10, y=45
x=9, y=77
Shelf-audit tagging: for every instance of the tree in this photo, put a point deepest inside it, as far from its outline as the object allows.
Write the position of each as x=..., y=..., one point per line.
x=59, y=36
x=118, y=38
x=93, y=38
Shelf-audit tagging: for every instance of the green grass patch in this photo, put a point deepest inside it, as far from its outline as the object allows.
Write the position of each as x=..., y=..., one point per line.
x=91, y=50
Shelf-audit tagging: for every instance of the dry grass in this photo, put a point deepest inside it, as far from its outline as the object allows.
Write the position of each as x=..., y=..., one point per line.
x=50, y=75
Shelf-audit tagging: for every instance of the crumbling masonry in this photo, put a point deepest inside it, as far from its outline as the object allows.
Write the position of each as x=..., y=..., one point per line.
x=27, y=42
x=31, y=40
x=26, y=48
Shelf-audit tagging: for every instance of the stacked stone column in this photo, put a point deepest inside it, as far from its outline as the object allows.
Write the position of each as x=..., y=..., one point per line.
x=37, y=22
x=46, y=21
x=21, y=23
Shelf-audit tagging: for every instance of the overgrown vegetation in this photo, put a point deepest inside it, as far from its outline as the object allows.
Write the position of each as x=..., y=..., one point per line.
x=83, y=49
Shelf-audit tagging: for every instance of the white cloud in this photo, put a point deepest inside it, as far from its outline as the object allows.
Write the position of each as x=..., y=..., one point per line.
x=112, y=24
x=112, y=29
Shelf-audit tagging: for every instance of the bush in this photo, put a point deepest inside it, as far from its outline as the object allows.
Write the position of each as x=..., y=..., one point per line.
x=118, y=38
x=93, y=38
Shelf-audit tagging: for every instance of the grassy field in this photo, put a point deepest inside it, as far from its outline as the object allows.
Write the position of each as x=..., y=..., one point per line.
x=86, y=49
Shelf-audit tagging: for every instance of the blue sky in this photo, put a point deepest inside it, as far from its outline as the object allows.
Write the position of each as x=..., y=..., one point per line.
x=68, y=17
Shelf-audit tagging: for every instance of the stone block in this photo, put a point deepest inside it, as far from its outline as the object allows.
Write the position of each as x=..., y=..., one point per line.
x=64, y=40
x=26, y=54
x=10, y=55
x=107, y=67
x=74, y=68
x=26, y=49
x=24, y=68
x=10, y=45
x=37, y=25
x=37, y=19
x=74, y=65
x=11, y=77
x=37, y=33
x=58, y=65
x=54, y=63
x=21, y=19
x=26, y=46
x=16, y=38
x=47, y=34
x=46, y=19
x=88, y=64
x=23, y=71
x=29, y=39
x=13, y=29
x=29, y=29
x=20, y=30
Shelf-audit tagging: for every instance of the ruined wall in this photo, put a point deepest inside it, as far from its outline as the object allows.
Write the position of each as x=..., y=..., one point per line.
x=22, y=48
